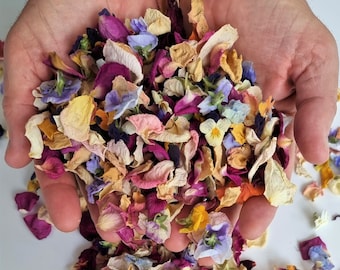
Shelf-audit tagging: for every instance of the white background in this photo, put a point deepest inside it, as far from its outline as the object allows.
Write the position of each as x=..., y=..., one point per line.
x=20, y=250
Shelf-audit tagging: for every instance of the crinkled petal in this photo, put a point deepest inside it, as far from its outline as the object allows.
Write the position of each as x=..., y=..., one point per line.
x=26, y=201
x=158, y=23
x=40, y=228
x=76, y=118
x=278, y=189
x=34, y=135
x=114, y=52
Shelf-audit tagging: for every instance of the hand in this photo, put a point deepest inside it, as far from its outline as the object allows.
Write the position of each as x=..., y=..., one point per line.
x=42, y=27
x=296, y=61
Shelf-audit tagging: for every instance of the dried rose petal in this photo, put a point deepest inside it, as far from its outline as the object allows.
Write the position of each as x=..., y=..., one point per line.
x=40, y=228
x=26, y=201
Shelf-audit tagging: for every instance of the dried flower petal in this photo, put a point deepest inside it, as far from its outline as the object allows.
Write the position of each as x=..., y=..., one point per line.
x=26, y=201
x=278, y=189
x=76, y=117
x=40, y=228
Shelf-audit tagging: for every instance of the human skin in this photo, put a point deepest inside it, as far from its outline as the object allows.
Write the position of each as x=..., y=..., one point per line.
x=294, y=55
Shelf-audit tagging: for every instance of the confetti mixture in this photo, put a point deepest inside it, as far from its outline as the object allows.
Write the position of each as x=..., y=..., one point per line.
x=155, y=125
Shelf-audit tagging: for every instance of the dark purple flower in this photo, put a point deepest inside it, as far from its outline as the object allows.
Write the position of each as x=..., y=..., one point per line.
x=26, y=200
x=110, y=27
x=40, y=228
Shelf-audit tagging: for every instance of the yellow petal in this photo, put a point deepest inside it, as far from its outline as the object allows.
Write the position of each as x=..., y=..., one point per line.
x=239, y=132
x=158, y=23
x=231, y=63
x=182, y=53
x=278, y=189
x=326, y=173
x=197, y=18
x=76, y=118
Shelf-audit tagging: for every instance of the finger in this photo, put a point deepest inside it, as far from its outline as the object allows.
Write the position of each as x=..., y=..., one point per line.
x=255, y=217
x=107, y=235
x=61, y=200
x=316, y=86
x=178, y=241
x=19, y=81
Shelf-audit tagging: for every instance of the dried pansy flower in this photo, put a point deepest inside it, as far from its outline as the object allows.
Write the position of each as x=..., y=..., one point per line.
x=214, y=131
x=216, y=243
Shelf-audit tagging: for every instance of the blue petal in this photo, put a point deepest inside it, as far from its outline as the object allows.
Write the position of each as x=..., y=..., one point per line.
x=143, y=40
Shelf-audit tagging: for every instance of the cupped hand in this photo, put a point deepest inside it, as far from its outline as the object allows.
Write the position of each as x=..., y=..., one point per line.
x=296, y=61
x=294, y=55
x=46, y=26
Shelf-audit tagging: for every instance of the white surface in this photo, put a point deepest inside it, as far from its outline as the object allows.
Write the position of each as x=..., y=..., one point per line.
x=20, y=250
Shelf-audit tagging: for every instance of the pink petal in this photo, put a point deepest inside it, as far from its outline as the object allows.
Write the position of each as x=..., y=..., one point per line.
x=40, y=228
x=146, y=124
x=158, y=174
x=26, y=200
x=53, y=167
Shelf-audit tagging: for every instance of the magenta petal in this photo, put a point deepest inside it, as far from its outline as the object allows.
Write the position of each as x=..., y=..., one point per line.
x=53, y=167
x=188, y=104
x=26, y=200
x=107, y=72
x=40, y=228
x=112, y=28
x=306, y=245
x=159, y=152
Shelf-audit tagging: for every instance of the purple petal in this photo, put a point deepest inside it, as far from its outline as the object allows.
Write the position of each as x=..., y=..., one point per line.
x=110, y=27
x=26, y=200
x=107, y=72
x=138, y=25
x=187, y=105
x=49, y=93
x=93, y=189
x=40, y=228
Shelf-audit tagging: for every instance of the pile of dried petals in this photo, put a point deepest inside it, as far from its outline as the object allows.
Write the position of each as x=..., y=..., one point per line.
x=152, y=122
